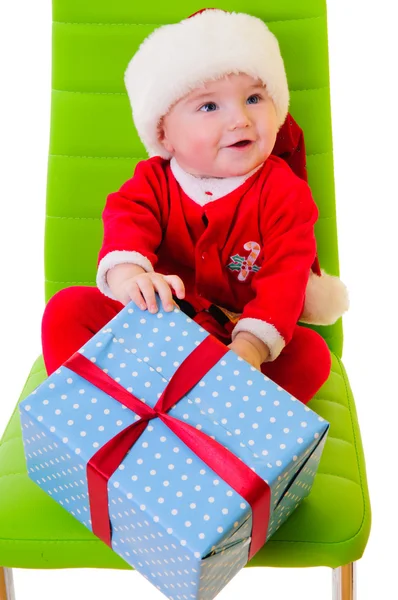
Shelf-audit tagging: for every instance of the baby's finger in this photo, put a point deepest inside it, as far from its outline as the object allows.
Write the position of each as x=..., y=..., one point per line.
x=134, y=293
x=177, y=284
x=147, y=289
x=164, y=292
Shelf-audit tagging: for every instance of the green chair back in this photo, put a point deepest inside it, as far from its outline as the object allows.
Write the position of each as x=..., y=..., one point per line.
x=94, y=146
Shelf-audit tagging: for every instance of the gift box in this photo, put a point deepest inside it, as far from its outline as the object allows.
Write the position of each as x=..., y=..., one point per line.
x=170, y=448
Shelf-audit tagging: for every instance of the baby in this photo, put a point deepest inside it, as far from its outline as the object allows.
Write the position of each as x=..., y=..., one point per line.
x=211, y=221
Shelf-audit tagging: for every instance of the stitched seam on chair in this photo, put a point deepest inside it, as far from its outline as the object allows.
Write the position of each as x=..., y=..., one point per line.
x=3, y=441
x=15, y=437
x=331, y=401
x=330, y=437
x=320, y=87
x=161, y=24
x=97, y=541
x=143, y=157
x=49, y=541
x=333, y=337
x=319, y=153
x=51, y=281
x=334, y=475
x=36, y=372
x=100, y=157
x=100, y=218
x=91, y=93
x=74, y=218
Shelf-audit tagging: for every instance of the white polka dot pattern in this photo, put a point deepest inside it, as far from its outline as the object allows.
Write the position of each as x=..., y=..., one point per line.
x=173, y=518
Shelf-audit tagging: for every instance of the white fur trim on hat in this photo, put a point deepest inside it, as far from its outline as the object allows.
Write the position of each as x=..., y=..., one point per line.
x=118, y=257
x=265, y=332
x=177, y=58
x=326, y=299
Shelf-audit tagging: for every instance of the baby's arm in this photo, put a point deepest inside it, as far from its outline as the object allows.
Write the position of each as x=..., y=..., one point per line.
x=250, y=348
x=289, y=248
x=133, y=221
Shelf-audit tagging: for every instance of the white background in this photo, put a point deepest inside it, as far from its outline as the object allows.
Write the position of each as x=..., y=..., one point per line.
x=363, y=54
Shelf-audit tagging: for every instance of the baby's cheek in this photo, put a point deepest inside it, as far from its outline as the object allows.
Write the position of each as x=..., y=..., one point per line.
x=191, y=144
x=204, y=136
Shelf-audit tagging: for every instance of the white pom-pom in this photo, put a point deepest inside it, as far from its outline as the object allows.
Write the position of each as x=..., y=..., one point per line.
x=326, y=299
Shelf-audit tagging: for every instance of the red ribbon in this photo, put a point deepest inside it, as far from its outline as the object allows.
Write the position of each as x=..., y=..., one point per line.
x=107, y=459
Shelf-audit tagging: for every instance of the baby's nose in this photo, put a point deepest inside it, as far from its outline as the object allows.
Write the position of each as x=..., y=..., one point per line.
x=239, y=118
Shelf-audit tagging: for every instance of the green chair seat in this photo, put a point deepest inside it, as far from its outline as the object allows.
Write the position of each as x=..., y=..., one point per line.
x=329, y=528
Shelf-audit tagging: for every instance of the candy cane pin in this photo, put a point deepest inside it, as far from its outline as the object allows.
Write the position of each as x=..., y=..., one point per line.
x=248, y=263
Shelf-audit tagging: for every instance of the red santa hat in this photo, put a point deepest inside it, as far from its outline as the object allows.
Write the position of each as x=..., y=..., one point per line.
x=326, y=296
x=177, y=58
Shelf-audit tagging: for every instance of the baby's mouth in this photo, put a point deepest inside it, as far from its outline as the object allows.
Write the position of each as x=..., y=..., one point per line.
x=240, y=144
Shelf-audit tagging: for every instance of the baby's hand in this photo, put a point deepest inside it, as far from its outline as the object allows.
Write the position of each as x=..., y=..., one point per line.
x=141, y=289
x=246, y=351
x=250, y=348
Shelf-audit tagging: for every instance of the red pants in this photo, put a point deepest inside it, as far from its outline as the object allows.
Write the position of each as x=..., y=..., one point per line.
x=73, y=315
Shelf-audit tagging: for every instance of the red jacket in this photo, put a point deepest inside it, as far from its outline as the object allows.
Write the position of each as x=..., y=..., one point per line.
x=266, y=222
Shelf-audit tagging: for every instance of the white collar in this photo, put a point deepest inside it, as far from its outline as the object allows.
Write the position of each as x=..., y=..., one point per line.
x=196, y=187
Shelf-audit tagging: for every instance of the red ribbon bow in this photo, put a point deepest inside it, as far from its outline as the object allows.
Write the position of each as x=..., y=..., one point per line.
x=107, y=459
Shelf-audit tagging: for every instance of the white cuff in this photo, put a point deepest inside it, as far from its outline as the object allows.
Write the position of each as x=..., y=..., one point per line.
x=118, y=257
x=265, y=332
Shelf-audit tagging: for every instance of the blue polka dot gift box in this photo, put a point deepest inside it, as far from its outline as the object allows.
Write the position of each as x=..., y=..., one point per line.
x=171, y=449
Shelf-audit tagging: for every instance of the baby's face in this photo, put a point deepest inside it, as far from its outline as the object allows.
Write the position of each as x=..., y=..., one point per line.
x=200, y=128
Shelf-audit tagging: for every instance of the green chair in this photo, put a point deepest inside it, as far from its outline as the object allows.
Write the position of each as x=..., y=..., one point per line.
x=93, y=149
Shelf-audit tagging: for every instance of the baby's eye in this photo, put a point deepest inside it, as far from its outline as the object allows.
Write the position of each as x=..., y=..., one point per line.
x=255, y=96
x=208, y=104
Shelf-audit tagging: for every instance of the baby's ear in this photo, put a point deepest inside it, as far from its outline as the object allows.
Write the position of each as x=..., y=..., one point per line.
x=160, y=130
x=163, y=138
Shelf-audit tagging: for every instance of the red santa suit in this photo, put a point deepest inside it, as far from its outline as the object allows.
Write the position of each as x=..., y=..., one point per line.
x=245, y=244
x=248, y=250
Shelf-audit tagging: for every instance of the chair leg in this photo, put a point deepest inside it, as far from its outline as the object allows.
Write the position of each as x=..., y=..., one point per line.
x=344, y=582
x=6, y=584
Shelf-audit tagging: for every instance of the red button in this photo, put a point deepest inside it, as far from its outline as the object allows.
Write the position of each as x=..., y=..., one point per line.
x=204, y=255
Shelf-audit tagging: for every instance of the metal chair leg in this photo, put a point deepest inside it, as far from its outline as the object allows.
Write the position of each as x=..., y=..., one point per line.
x=344, y=582
x=6, y=584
